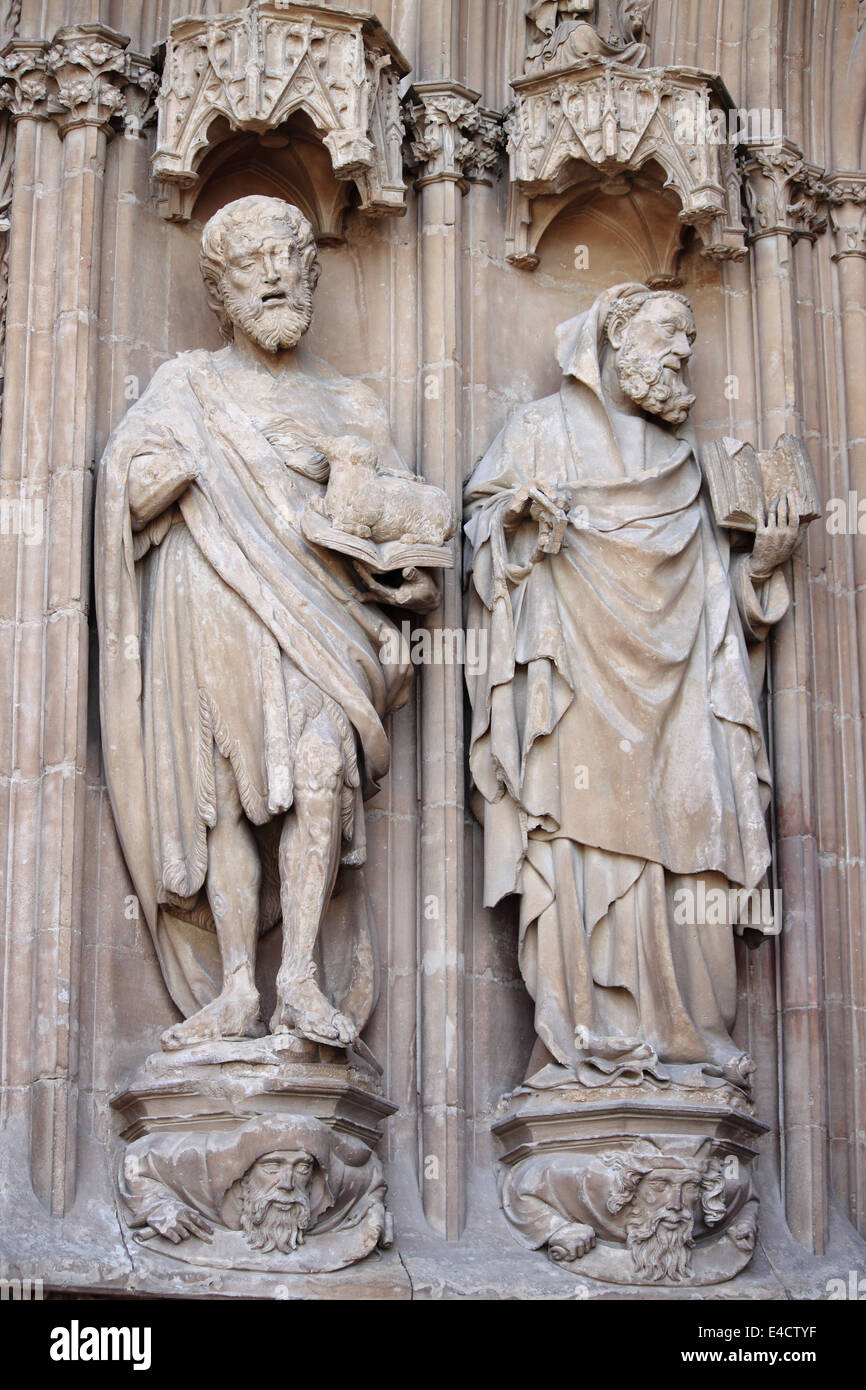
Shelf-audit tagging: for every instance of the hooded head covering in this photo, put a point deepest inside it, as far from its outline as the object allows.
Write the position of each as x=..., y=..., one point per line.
x=580, y=341
x=203, y=1171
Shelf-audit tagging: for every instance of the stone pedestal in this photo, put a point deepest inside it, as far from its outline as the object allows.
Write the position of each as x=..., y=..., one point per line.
x=218, y=1137
x=631, y=1187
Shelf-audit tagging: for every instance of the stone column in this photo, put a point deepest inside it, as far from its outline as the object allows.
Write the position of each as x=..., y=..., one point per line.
x=847, y=206
x=456, y=142
x=782, y=211
x=47, y=453
x=439, y=115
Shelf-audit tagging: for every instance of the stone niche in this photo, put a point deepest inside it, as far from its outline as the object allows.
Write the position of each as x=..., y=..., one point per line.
x=253, y=69
x=571, y=131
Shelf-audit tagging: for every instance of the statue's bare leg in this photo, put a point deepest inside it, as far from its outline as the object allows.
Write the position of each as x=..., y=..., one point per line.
x=309, y=859
x=233, y=878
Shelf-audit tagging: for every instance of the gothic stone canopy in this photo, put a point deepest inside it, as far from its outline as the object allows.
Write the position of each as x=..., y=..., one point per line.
x=257, y=67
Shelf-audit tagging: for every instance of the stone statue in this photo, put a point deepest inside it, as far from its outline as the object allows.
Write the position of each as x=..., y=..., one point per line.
x=564, y=32
x=621, y=775
x=617, y=748
x=243, y=689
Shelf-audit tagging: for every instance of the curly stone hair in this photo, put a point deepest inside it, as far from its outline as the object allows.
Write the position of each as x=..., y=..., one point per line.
x=624, y=308
x=259, y=211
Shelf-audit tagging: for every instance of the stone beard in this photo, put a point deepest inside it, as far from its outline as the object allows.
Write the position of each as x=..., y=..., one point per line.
x=651, y=378
x=274, y=1223
x=650, y=384
x=273, y=323
x=272, y=1218
x=660, y=1242
x=660, y=1218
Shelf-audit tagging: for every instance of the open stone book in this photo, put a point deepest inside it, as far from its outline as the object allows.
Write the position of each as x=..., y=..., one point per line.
x=744, y=483
x=392, y=555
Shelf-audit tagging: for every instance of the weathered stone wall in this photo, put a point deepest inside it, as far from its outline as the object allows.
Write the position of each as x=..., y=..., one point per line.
x=102, y=288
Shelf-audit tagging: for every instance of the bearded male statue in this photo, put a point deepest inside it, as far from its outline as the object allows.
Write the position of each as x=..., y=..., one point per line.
x=617, y=751
x=242, y=688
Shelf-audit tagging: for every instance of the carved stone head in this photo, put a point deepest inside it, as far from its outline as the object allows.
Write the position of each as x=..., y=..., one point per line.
x=661, y=1195
x=633, y=15
x=274, y=1200
x=260, y=267
x=651, y=334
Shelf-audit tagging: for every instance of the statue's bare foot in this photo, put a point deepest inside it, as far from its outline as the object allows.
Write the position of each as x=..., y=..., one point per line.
x=233, y=1014
x=304, y=1007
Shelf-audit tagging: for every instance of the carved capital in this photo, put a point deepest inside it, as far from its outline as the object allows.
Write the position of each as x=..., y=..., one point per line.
x=451, y=139
x=846, y=200
x=483, y=159
x=783, y=191
x=25, y=86
x=84, y=76
x=88, y=65
x=140, y=86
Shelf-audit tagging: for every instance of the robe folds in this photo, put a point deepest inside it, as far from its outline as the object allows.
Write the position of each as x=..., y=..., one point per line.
x=616, y=750
x=222, y=628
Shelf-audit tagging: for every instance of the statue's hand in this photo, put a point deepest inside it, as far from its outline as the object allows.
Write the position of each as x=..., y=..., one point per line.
x=776, y=539
x=547, y=504
x=552, y=525
x=420, y=590
x=176, y=1222
x=535, y=498
x=571, y=1243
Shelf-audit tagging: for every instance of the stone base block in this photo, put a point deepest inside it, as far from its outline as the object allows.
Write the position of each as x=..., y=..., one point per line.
x=254, y=1155
x=633, y=1188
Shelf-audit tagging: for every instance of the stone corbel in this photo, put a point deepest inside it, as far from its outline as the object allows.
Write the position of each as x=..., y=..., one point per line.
x=199, y=1126
x=784, y=192
x=451, y=137
x=595, y=124
x=255, y=68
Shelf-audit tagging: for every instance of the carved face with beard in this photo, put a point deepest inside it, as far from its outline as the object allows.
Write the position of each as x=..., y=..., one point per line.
x=265, y=287
x=660, y=1223
x=652, y=345
x=274, y=1201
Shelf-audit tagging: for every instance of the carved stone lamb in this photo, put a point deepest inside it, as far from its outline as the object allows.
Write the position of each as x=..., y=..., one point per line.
x=379, y=505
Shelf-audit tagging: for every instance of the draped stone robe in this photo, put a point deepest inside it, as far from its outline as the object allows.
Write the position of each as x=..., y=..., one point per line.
x=221, y=628
x=616, y=747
